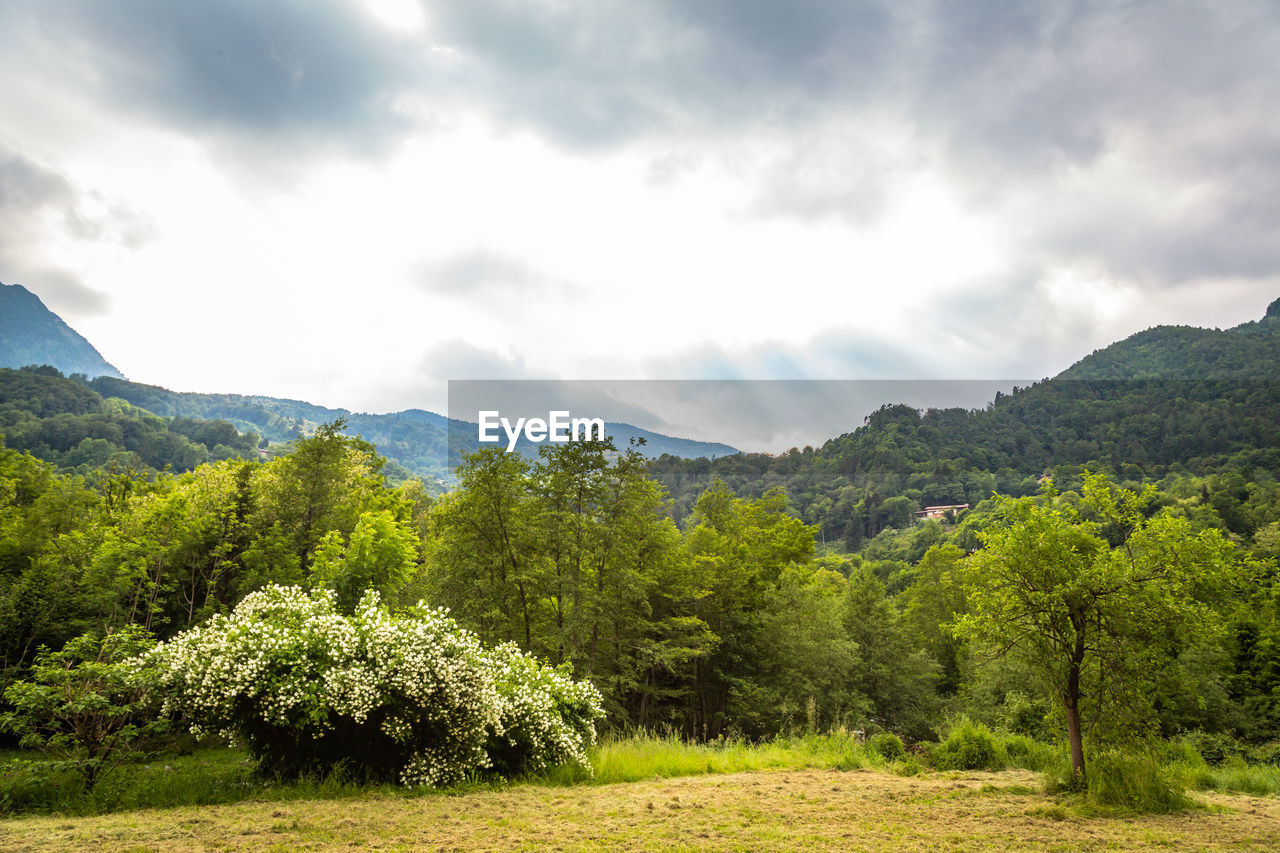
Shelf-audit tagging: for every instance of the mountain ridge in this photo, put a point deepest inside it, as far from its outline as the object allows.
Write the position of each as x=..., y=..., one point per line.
x=31, y=334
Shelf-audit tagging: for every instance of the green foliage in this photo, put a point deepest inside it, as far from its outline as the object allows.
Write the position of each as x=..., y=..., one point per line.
x=895, y=675
x=382, y=556
x=1024, y=715
x=968, y=746
x=1214, y=748
x=408, y=698
x=805, y=673
x=573, y=558
x=1029, y=753
x=62, y=421
x=887, y=745
x=90, y=704
x=1095, y=601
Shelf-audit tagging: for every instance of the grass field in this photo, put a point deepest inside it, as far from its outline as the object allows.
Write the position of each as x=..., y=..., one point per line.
x=812, y=809
x=815, y=792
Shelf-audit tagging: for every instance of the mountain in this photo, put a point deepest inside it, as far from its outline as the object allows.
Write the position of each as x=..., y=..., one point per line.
x=32, y=334
x=415, y=442
x=1168, y=402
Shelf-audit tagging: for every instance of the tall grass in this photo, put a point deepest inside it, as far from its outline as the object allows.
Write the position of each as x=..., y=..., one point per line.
x=1135, y=783
x=207, y=777
x=1259, y=780
x=648, y=756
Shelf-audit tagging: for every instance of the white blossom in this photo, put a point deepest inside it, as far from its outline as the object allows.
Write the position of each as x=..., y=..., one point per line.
x=286, y=672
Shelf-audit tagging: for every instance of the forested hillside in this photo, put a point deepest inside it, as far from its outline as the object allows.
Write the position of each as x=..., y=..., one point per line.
x=1166, y=402
x=64, y=422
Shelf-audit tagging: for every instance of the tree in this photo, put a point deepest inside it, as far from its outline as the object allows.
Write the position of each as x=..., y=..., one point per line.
x=382, y=555
x=91, y=702
x=324, y=484
x=1094, y=600
x=737, y=551
x=483, y=552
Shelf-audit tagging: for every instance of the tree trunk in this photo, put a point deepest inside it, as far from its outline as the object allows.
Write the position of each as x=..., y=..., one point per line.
x=1072, y=702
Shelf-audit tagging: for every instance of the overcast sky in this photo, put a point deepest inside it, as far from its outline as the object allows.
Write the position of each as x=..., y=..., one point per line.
x=351, y=202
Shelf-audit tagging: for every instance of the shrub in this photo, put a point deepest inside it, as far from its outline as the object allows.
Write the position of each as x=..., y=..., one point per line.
x=1214, y=747
x=1024, y=715
x=968, y=746
x=1266, y=753
x=543, y=715
x=87, y=705
x=1027, y=753
x=411, y=698
x=888, y=746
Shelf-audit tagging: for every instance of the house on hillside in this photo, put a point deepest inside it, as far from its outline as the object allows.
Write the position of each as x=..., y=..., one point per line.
x=940, y=512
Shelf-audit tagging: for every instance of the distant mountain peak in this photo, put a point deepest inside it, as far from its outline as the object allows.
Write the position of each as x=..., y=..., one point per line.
x=31, y=334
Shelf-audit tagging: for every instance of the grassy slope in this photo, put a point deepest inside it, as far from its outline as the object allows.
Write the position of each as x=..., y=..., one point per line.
x=812, y=809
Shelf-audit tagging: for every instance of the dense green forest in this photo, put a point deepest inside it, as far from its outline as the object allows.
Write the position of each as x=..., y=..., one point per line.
x=737, y=621
x=746, y=596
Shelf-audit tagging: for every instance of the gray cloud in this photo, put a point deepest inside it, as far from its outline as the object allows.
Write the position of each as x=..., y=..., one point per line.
x=1008, y=98
x=835, y=354
x=591, y=73
x=485, y=275
x=1022, y=105
x=255, y=81
x=457, y=359
x=38, y=203
x=833, y=173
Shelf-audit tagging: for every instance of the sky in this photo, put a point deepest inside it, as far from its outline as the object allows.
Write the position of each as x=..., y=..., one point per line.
x=351, y=202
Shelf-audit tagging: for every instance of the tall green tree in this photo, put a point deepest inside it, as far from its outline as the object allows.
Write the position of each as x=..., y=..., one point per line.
x=1095, y=600
x=483, y=553
x=325, y=483
x=737, y=549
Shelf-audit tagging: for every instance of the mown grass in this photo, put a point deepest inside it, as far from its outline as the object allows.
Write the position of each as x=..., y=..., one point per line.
x=209, y=776
x=811, y=810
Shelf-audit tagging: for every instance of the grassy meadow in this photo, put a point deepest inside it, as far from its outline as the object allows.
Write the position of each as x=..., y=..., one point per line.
x=818, y=792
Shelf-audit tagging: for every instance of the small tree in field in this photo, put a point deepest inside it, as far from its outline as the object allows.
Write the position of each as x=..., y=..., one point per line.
x=1094, y=600
x=90, y=703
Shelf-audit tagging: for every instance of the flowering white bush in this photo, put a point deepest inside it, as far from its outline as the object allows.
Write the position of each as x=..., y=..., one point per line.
x=412, y=697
